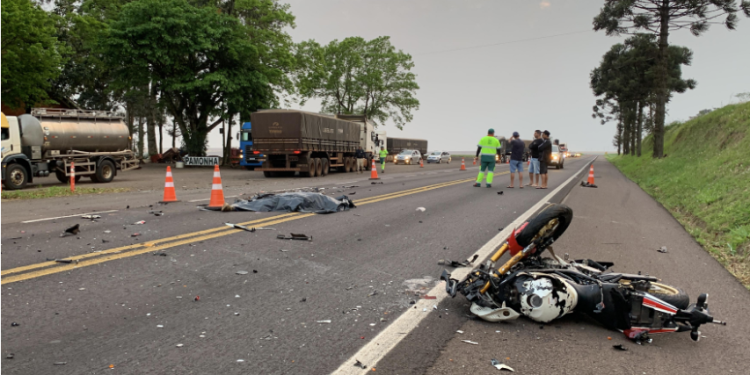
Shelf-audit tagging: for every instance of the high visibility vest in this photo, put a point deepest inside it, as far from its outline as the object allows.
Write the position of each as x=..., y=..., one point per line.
x=383, y=153
x=489, y=145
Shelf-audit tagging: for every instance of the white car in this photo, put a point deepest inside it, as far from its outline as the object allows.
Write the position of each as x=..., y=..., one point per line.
x=439, y=157
x=410, y=157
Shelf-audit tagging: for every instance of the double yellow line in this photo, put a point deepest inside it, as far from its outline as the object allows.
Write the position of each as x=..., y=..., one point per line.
x=47, y=268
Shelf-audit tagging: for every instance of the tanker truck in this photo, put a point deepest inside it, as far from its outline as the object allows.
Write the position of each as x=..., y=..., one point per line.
x=50, y=140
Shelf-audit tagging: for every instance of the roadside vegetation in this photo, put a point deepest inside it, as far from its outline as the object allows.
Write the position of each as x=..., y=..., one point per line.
x=704, y=181
x=57, y=191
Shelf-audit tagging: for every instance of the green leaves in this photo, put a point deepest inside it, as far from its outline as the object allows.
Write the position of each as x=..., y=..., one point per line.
x=30, y=53
x=359, y=76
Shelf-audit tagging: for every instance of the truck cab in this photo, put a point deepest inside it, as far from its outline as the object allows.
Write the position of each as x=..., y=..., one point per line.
x=248, y=158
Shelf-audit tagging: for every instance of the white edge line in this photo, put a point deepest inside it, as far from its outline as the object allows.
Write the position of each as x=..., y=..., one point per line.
x=64, y=217
x=385, y=341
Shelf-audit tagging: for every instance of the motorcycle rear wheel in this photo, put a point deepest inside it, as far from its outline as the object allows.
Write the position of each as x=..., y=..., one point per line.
x=671, y=295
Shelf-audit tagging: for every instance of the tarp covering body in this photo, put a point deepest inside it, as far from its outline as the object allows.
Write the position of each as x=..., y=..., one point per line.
x=295, y=202
x=291, y=130
x=396, y=145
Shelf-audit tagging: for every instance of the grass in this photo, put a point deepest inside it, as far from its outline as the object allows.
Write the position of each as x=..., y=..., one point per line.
x=704, y=181
x=57, y=191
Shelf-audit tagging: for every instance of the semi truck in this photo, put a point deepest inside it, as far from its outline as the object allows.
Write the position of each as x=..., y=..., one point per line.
x=50, y=140
x=396, y=145
x=248, y=159
x=310, y=143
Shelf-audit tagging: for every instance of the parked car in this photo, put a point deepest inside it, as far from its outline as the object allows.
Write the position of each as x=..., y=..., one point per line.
x=408, y=157
x=557, y=159
x=439, y=157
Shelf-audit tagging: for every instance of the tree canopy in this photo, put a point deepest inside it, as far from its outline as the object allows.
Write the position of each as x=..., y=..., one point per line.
x=30, y=53
x=359, y=76
x=659, y=18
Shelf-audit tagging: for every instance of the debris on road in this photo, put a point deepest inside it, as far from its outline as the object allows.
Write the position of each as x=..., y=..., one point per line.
x=429, y=297
x=107, y=231
x=459, y=331
x=421, y=209
x=376, y=183
x=293, y=202
x=453, y=263
x=586, y=184
x=91, y=217
x=160, y=253
x=501, y=366
x=500, y=192
x=324, y=321
x=14, y=324
x=10, y=356
x=72, y=231
x=61, y=260
x=60, y=363
x=241, y=272
x=179, y=345
x=135, y=235
x=663, y=249
x=141, y=222
x=242, y=227
x=296, y=237
x=360, y=364
x=620, y=347
x=470, y=342
x=197, y=298
x=156, y=213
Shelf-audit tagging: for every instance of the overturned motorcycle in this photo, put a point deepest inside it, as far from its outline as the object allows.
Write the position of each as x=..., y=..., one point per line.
x=544, y=289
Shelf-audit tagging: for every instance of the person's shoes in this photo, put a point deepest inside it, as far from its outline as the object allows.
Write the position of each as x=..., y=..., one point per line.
x=477, y=185
x=489, y=186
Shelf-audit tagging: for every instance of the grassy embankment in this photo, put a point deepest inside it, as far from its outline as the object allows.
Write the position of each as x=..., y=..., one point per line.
x=704, y=181
x=56, y=191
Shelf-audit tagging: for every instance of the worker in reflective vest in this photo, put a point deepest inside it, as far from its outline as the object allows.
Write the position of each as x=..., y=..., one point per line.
x=383, y=155
x=488, y=147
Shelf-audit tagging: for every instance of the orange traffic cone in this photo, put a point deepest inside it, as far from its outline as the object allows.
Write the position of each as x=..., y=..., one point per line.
x=421, y=163
x=217, y=192
x=475, y=161
x=463, y=165
x=374, y=173
x=591, y=175
x=169, y=193
x=72, y=177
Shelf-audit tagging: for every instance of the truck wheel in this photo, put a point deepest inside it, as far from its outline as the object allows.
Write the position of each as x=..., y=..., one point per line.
x=325, y=168
x=315, y=167
x=105, y=172
x=16, y=177
x=65, y=179
x=347, y=165
x=268, y=174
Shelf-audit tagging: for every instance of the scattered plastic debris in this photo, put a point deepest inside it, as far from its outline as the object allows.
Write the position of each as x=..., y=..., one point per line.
x=91, y=217
x=107, y=231
x=324, y=321
x=179, y=345
x=72, y=231
x=453, y=263
x=500, y=192
x=156, y=213
x=135, y=235
x=663, y=249
x=376, y=183
x=374, y=293
x=60, y=363
x=459, y=331
x=240, y=360
x=10, y=356
x=197, y=298
x=429, y=297
x=360, y=364
x=620, y=347
x=14, y=324
x=159, y=326
x=140, y=222
x=421, y=209
x=242, y=227
x=470, y=342
x=242, y=272
x=501, y=366
x=160, y=253
x=296, y=237
x=61, y=260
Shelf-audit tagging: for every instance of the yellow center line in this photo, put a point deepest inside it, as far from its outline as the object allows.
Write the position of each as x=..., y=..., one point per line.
x=188, y=238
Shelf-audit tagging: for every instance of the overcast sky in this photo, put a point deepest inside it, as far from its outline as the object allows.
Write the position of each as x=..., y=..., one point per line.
x=513, y=85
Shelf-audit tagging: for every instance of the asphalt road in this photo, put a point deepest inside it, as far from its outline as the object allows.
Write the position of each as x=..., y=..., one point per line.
x=124, y=307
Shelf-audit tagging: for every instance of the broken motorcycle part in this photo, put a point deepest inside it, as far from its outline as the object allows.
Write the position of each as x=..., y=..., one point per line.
x=296, y=237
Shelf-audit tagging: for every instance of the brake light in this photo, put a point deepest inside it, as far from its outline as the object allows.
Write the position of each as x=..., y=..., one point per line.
x=296, y=152
x=256, y=152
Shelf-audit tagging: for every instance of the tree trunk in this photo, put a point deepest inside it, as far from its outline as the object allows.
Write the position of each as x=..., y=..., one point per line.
x=633, y=127
x=639, y=128
x=662, y=90
x=174, y=133
x=625, y=113
x=129, y=121
x=619, y=134
x=160, y=123
x=151, y=121
x=141, y=136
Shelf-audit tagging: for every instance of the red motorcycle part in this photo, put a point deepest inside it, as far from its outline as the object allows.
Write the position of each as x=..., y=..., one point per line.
x=513, y=245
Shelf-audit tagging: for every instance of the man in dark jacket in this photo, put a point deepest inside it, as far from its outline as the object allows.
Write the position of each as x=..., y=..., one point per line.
x=360, y=155
x=545, y=153
x=534, y=164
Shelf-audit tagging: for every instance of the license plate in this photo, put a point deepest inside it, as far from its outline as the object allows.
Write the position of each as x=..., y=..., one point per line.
x=250, y=159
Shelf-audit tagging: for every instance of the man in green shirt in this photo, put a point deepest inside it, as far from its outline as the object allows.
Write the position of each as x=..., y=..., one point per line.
x=383, y=156
x=488, y=147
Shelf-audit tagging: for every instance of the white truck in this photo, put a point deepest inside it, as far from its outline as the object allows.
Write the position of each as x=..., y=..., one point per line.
x=49, y=139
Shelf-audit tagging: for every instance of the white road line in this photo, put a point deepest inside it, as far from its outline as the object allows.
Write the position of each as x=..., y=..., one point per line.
x=387, y=340
x=208, y=199
x=63, y=217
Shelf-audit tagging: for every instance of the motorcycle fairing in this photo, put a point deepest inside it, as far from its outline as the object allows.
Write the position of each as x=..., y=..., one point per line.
x=544, y=297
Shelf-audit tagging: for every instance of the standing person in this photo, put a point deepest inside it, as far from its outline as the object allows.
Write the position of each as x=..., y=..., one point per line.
x=545, y=153
x=517, y=148
x=488, y=146
x=360, y=154
x=534, y=165
x=383, y=155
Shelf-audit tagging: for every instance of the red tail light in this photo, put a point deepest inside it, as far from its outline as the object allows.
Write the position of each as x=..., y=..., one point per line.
x=296, y=152
x=256, y=152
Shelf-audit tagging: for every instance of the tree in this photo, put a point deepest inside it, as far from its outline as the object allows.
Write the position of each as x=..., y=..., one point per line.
x=625, y=82
x=30, y=53
x=359, y=76
x=198, y=57
x=659, y=17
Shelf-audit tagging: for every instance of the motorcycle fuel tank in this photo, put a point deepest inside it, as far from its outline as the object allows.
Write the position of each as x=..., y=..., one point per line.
x=545, y=297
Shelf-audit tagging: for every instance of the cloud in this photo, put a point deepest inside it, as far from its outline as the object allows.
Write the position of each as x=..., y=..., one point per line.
x=544, y=5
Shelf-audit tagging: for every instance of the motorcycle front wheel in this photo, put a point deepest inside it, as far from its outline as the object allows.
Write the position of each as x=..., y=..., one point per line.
x=540, y=226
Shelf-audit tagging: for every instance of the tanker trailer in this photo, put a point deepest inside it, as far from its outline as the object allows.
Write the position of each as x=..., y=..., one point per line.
x=48, y=140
